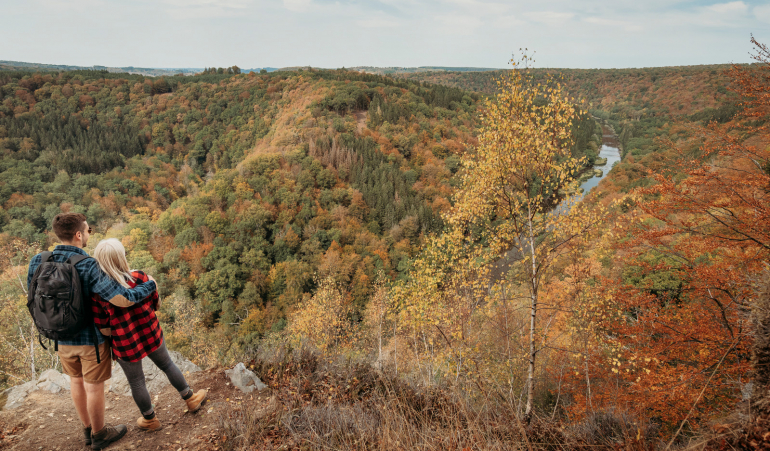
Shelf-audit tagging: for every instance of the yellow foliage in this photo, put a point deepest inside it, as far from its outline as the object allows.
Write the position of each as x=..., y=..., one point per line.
x=322, y=320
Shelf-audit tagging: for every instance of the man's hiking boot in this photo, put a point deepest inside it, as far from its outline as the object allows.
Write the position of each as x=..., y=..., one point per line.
x=197, y=400
x=148, y=425
x=87, y=435
x=108, y=434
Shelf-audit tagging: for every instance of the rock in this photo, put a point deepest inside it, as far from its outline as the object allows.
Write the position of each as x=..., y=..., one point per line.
x=15, y=396
x=244, y=379
x=53, y=381
x=155, y=379
x=598, y=172
x=600, y=161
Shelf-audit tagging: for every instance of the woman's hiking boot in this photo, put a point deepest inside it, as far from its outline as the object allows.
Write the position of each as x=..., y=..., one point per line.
x=108, y=435
x=87, y=434
x=152, y=424
x=195, y=401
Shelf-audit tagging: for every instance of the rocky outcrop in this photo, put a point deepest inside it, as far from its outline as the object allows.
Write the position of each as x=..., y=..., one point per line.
x=244, y=379
x=51, y=381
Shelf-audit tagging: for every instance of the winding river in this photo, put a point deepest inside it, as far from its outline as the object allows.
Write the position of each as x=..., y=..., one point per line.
x=611, y=151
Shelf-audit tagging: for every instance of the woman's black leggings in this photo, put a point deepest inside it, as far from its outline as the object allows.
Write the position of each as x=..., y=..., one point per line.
x=135, y=376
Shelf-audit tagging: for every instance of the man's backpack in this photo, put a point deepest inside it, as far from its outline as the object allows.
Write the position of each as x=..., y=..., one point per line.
x=55, y=300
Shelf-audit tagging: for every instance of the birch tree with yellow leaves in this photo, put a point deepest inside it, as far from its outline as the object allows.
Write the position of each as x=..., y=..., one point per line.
x=513, y=180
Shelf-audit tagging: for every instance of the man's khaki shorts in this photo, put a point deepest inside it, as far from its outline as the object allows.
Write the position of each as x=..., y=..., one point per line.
x=80, y=361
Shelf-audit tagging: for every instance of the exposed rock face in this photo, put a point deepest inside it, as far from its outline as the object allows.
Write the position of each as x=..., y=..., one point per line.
x=50, y=381
x=16, y=395
x=53, y=381
x=244, y=379
x=155, y=379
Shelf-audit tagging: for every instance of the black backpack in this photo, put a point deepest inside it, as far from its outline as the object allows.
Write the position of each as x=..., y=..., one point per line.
x=55, y=301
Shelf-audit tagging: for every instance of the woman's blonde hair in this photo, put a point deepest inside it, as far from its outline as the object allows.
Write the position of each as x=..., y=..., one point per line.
x=111, y=256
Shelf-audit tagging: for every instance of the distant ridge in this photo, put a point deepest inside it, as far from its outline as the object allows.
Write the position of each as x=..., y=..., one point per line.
x=411, y=70
x=164, y=71
x=148, y=71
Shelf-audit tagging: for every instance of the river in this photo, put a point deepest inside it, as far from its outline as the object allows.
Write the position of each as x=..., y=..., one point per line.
x=611, y=151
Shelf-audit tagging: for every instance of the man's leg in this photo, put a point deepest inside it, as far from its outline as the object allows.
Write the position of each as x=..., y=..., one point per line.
x=78, y=393
x=95, y=402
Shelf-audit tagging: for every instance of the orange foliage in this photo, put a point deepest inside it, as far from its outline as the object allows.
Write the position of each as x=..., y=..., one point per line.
x=193, y=255
x=678, y=322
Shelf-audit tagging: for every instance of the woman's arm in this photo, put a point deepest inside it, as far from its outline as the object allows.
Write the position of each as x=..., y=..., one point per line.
x=141, y=277
x=116, y=294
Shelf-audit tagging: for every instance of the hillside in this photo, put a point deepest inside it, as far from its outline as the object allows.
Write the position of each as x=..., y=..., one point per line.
x=237, y=192
x=641, y=105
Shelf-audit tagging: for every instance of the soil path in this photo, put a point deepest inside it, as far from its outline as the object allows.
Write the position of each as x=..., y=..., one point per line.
x=49, y=422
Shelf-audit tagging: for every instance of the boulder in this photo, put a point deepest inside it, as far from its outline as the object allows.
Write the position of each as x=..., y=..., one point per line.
x=15, y=396
x=244, y=379
x=53, y=381
x=155, y=379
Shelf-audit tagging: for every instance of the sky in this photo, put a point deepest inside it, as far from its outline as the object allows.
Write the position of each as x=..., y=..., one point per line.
x=404, y=33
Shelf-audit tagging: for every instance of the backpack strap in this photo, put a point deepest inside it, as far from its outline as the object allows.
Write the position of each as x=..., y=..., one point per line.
x=74, y=260
x=77, y=258
x=40, y=340
x=44, y=256
x=96, y=346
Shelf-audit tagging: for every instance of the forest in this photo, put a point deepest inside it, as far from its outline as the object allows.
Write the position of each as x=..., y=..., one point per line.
x=361, y=218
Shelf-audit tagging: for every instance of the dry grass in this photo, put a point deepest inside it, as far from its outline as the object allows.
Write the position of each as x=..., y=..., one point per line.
x=336, y=405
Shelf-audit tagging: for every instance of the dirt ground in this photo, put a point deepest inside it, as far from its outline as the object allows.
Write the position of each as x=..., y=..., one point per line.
x=49, y=422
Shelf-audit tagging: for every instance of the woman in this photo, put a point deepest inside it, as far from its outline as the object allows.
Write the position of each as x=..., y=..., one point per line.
x=136, y=334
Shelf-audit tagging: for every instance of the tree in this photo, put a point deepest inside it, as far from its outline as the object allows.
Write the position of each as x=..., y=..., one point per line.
x=512, y=180
x=702, y=242
x=322, y=319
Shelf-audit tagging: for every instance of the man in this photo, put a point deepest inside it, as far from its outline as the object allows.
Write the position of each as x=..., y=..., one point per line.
x=78, y=355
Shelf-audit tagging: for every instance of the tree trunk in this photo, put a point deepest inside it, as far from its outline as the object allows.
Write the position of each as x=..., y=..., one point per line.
x=760, y=356
x=532, y=323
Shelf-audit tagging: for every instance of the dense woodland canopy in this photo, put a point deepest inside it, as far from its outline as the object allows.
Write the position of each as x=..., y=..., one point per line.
x=237, y=190
x=322, y=206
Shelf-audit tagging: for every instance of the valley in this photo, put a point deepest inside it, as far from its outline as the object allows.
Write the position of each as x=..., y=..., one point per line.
x=327, y=216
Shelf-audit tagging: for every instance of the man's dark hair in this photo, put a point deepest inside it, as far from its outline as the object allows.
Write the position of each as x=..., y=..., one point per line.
x=66, y=225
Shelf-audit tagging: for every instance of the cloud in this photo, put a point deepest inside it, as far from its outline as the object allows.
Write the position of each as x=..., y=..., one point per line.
x=297, y=5
x=549, y=17
x=614, y=23
x=730, y=14
x=204, y=9
x=728, y=8
x=378, y=22
x=459, y=24
x=762, y=13
x=480, y=8
x=507, y=21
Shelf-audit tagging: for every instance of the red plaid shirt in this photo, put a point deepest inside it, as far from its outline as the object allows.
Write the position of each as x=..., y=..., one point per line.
x=135, y=331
